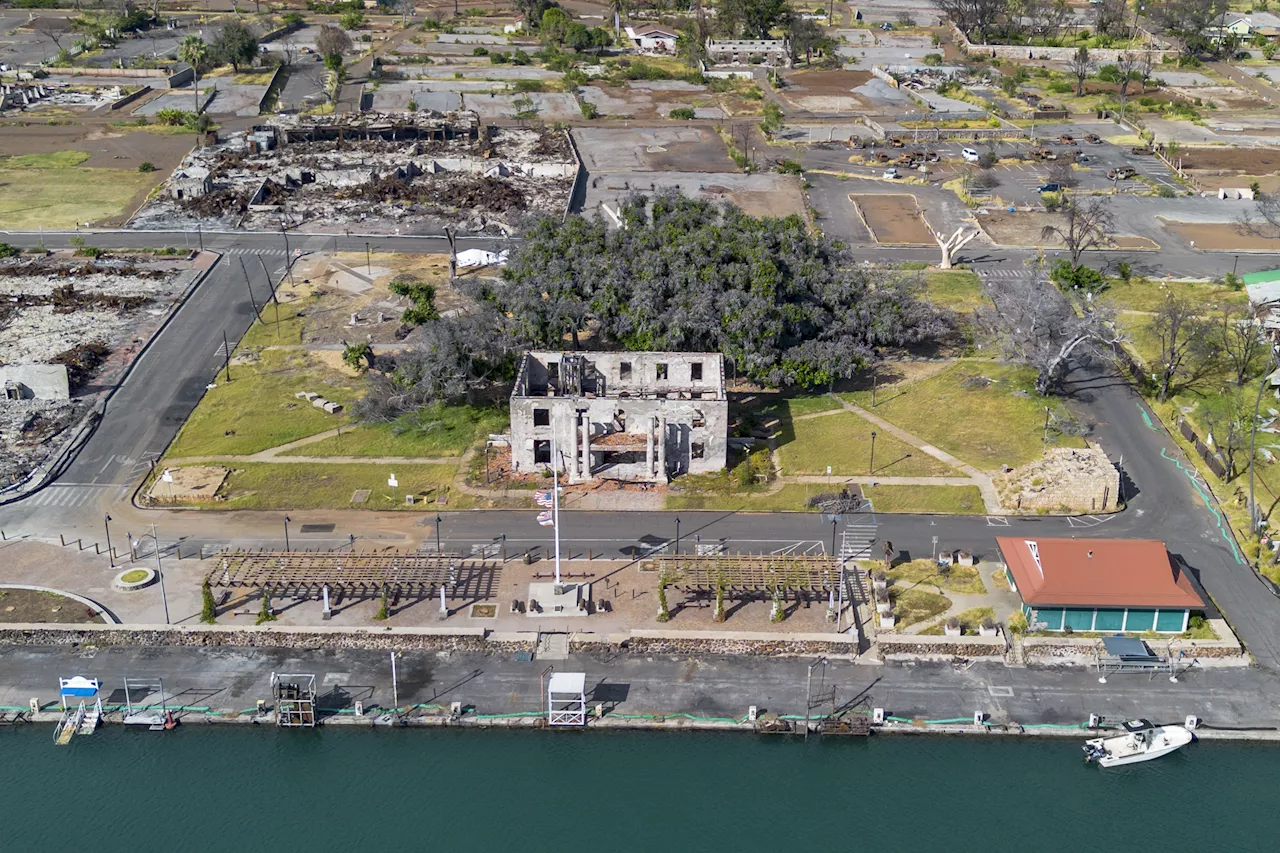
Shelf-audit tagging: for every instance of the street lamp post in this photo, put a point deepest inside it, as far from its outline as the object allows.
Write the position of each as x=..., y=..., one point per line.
x=368, y=259
x=835, y=519
x=439, y=550
x=677, y=536
x=110, y=553
x=155, y=540
x=286, y=533
x=871, y=469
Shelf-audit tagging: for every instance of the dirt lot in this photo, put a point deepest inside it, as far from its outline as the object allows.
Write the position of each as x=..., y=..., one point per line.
x=657, y=149
x=826, y=91
x=1223, y=97
x=894, y=220
x=1221, y=236
x=1251, y=161
x=29, y=605
x=1023, y=229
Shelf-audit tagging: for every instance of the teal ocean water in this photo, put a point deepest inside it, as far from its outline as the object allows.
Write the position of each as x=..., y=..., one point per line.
x=259, y=789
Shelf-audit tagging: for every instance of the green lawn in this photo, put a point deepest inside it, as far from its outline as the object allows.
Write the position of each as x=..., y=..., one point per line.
x=843, y=441
x=281, y=485
x=53, y=191
x=958, y=500
x=288, y=331
x=961, y=579
x=915, y=605
x=257, y=410
x=791, y=497
x=959, y=290
x=1141, y=294
x=984, y=413
x=449, y=433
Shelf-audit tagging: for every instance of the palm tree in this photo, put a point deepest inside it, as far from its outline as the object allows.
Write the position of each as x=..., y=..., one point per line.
x=194, y=51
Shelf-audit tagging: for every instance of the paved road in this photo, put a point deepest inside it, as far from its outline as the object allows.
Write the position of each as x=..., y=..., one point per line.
x=234, y=679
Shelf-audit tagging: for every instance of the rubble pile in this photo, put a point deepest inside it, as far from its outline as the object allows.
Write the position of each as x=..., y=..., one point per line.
x=1064, y=480
x=372, y=170
x=60, y=309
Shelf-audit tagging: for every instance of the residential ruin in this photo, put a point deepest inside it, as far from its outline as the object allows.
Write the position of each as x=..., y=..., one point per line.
x=374, y=171
x=633, y=416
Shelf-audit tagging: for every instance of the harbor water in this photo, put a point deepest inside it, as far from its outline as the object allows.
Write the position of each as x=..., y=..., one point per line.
x=261, y=790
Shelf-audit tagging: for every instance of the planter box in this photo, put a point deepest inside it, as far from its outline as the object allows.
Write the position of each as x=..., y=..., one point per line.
x=948, y=631
x=887, y=620
x=945, y=558
x=884, y=607
x=964, y=559
x=987, y=632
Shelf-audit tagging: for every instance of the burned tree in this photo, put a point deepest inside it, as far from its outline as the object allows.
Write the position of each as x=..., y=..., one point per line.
x=1242, y=342
x=1085, y=225
x=1081, y=66
x=1033, y=323
x=1187, y=344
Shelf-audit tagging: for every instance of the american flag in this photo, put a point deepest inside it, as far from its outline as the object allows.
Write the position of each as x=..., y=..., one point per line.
x=544, y=518
x=543, y=497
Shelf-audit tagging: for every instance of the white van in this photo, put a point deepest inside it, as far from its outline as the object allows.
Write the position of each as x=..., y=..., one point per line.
x=969, y=155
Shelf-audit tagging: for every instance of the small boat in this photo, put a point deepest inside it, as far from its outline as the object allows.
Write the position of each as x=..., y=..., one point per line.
x=1142, y=740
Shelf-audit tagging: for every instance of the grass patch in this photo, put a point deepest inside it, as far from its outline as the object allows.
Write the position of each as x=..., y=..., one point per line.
x=791, y=497
x=959, y=290
x=267, y=332
x=449, y=433
x=133, y=576
x=258, y=407
x=960, y=579
x=843, y=441
x=254, y=78
x=283, y=485
x=985, y=414
x=52, y=191
x=955, y=500
x=1140, y=294
x=915, y=605
x=969, y=620
x=53, y=160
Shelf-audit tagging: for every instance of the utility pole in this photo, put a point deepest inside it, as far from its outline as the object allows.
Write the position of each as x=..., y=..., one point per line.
x=226, y=353
x=111, y=554
x=248, y=286
x=160, y=571
x=871, y=469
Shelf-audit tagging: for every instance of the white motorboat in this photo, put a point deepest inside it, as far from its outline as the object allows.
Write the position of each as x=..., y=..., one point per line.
x=1142, y=740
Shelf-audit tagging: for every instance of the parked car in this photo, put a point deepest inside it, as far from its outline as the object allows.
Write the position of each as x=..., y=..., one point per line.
x=1141, y=151
x=969, y=155
x=1093, y=139
x=1122, y=173
x=887, y=27
x=1049, y=188
x=890, y=174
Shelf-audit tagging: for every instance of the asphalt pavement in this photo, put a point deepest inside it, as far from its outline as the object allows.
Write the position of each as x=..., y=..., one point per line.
x=234, y=679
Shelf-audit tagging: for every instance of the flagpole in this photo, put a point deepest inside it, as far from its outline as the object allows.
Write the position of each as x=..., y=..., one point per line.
x=555, y=498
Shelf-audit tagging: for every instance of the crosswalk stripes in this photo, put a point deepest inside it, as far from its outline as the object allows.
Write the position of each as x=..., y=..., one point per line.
x=240, y=250
x=72, y=495
x=1022, y=272
x=857, y=540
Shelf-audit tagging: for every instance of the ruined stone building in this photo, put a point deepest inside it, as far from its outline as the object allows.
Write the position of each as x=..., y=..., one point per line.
x=639, y=416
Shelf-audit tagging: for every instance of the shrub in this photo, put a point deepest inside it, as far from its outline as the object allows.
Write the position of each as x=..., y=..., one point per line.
x=589, y=110
x=480, y=51
x=1196, y=622
x=988, y=159
x=7, y=251
x=1067, y=277
x=208, y=612
x=352, y=20
x=1017, y=623
x=1166, y=192
x=681, y=113
x=1051, y=201
x=932, y=59
x=146, y=166
x=1060, y=87
x=790, y=167
x=1124, y=271
x=529, y=86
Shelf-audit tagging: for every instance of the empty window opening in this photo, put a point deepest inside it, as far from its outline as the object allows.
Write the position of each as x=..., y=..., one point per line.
x=697, y=450
x=542, y=452
x=695, y=371
x=553, y=373
x=621, y=457
x=661, y=371
x=621, y=420
x=699, y=420
x=624, y=370
x=542, y=417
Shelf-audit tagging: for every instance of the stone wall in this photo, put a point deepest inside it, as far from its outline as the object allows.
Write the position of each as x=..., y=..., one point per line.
x=915, y=646
x=693, y=643
x=1057, y=54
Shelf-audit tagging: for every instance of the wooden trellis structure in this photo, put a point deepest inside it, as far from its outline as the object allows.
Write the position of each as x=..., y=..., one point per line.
x=412, y=574
x=750, y=576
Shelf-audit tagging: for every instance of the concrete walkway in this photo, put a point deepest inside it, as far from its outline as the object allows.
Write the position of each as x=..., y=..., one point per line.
x=274, y=454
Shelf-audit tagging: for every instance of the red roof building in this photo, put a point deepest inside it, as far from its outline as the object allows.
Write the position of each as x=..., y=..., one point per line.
x=1130, y=585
